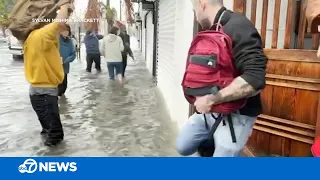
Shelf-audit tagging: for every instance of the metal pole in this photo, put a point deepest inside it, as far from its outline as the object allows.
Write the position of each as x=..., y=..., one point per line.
x=120, y=10
x=79, y=45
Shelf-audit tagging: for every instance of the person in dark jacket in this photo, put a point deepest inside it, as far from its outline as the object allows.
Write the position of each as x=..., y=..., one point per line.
x=250, y=61
x=91, y=41
x=127, y=50
x=68, y=54
x=125, y=37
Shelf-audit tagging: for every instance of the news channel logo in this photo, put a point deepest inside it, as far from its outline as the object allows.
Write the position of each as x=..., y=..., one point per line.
x=30, y=166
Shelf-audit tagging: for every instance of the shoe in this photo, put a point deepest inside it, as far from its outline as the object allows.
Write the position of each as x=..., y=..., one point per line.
x=52, y=142
x=88, y=71
x=44, y=133
x=98, y=71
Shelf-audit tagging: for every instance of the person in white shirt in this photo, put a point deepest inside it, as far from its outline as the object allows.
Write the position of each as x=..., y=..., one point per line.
x=112, y=46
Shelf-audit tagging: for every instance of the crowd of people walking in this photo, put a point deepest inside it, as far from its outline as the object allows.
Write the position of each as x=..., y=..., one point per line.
x=49, y=79
x=114, y=48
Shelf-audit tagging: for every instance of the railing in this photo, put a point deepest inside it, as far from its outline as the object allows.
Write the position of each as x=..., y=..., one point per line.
x=287, y=28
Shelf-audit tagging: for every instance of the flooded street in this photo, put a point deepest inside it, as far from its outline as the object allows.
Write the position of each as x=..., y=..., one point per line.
x=99, y=117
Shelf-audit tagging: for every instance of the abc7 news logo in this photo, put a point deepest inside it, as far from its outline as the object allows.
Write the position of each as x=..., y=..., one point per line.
x=29, y=166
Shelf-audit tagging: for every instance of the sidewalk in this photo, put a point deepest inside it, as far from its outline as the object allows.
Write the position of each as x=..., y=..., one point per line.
x=131, y=121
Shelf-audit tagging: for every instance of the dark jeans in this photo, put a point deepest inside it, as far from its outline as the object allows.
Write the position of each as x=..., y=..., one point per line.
x=63, y=86
x=114, y=66
x=93, y=58
x=47, y=110
x=124, y=63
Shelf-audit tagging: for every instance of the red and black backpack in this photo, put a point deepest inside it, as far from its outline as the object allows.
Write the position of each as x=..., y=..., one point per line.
x=209, y=68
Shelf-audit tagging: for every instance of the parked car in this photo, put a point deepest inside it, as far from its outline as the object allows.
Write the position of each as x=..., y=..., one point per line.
x=15, y=47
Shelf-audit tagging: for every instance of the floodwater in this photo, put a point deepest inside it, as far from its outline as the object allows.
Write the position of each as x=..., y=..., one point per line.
x=100, y=118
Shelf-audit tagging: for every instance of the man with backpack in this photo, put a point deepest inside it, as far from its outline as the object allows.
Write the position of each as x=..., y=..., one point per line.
x=225, y=72
x=44, y=71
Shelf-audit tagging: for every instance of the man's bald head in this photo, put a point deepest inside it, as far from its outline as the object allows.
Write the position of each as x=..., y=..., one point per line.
x=216, y=2
x=211, y=2
x=206, y=10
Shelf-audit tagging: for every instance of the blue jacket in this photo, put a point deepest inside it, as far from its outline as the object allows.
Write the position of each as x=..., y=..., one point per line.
x=67, y=52
x=91, y=42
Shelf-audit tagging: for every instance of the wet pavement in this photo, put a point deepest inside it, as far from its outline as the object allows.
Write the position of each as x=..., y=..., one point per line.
x=99, y=117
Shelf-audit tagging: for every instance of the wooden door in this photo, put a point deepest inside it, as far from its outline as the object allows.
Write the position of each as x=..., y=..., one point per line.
x=291, y=99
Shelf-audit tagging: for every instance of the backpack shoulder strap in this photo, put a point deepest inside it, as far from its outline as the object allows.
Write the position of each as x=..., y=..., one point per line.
x=218, y=25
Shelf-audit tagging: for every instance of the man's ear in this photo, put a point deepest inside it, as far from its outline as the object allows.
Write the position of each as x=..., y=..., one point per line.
x=202, y=4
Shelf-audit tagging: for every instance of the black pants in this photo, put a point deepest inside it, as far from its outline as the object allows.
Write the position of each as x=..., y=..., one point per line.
x=63, y=86
x=124, y=63
x=47, y=110
x=93, y=58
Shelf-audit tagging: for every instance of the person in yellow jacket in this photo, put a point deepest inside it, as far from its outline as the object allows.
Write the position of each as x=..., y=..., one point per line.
x=44, y=71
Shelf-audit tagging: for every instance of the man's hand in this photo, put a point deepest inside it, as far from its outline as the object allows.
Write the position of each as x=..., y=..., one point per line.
x=68, y=6
x=65, y=6
x=203, y=104
x=64, y=12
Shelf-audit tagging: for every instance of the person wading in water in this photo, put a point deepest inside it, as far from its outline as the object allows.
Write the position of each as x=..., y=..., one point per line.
x=44, y=71
x=127, y=51
x=68, y=54
x=91, y=41
x=112, y=47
